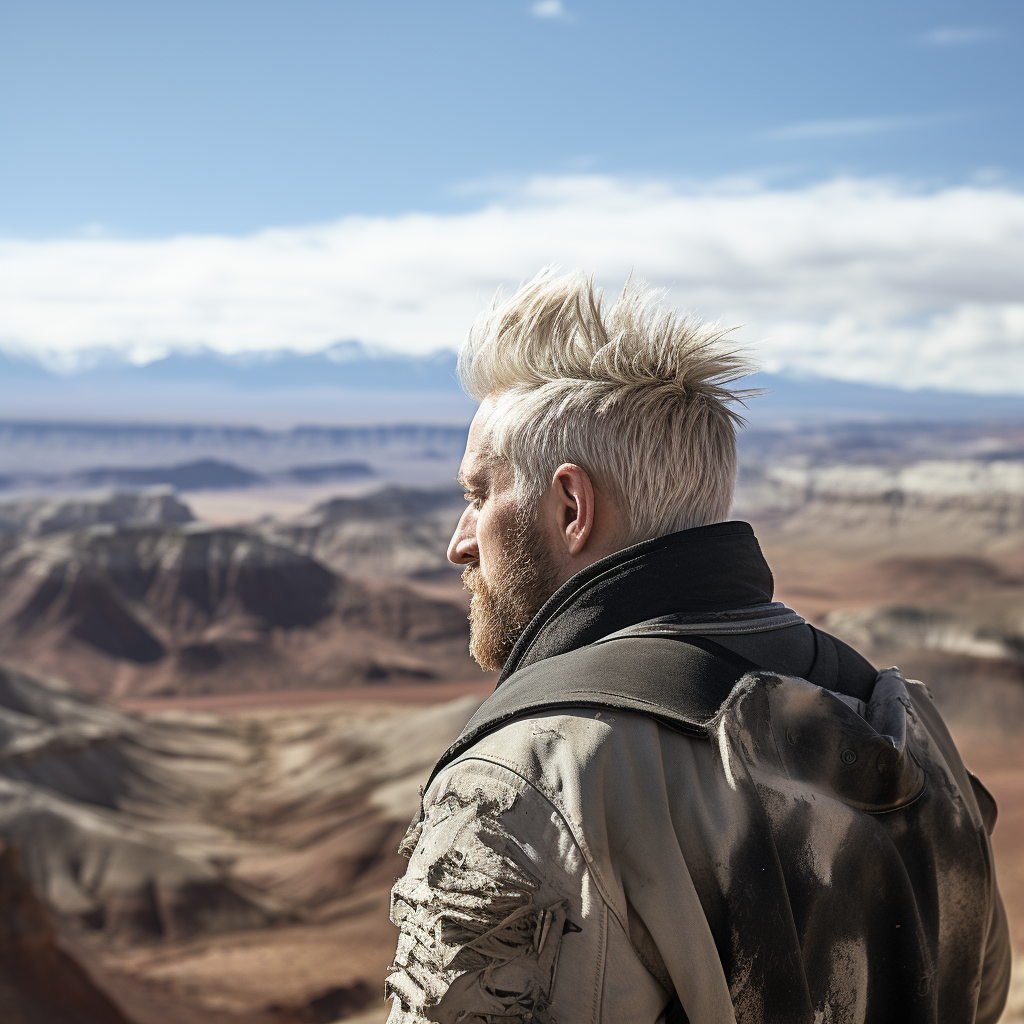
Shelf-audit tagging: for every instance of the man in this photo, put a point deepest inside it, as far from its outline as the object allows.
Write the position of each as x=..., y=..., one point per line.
x=682, y=801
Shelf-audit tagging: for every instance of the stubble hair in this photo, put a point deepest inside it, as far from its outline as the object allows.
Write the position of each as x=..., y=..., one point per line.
x=523, y=578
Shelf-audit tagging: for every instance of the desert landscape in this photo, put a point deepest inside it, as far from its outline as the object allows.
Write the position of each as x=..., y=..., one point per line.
x=218, y=702
x=259, y=264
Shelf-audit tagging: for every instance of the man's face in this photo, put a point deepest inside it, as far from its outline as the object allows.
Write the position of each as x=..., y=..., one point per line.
x=505, y=551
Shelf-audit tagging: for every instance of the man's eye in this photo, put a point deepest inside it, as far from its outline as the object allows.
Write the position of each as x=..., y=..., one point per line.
x=476, y=500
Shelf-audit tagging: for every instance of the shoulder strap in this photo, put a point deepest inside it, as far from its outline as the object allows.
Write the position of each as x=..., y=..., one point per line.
x=659, y=670
x=825, y=670
x=678, y=682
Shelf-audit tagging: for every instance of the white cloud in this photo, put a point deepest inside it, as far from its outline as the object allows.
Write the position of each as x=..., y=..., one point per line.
x=847, y=126
x=857, y=279
x=553, y=10
x=962, y=35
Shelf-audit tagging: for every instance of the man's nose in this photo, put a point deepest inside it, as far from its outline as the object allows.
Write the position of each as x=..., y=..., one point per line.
x=462, y=548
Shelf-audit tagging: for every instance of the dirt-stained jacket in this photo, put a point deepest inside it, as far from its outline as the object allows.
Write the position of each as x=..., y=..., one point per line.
x=814, y=856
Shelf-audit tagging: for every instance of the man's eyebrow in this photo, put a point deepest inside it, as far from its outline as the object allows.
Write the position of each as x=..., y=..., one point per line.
x=471, y=483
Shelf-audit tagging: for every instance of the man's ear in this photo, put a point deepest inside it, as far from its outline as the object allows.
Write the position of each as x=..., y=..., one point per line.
x=575, y=506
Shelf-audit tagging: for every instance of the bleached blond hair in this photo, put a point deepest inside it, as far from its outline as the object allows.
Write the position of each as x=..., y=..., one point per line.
x=635, y=394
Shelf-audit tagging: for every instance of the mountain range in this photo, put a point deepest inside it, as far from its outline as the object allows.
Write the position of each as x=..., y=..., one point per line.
x=347, y=364
x=350, y=382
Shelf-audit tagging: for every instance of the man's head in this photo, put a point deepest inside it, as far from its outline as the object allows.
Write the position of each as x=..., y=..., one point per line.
x=597, y=429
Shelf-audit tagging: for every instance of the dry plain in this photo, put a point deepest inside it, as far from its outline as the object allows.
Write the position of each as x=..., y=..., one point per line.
x=207, y=797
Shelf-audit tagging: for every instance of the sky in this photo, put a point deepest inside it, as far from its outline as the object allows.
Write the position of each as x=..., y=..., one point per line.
x=846, y=180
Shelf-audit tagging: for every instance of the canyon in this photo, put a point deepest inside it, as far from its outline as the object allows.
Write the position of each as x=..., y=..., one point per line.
x=217, y=707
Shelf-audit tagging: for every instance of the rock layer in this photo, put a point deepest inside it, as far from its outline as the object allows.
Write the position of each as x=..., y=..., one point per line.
x=194, y=609
x=228, y=869
x=40, y=983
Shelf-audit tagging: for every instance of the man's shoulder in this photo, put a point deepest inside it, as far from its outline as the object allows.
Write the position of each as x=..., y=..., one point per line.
x=646, y=681
x=581, y=733
x=572, y=756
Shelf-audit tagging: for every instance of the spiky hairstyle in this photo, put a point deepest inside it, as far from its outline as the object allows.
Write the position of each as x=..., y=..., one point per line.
x=636, y=394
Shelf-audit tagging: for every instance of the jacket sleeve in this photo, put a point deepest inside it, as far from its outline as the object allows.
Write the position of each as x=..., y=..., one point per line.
x=499, y=915
x=995, y=976
x=996, y=968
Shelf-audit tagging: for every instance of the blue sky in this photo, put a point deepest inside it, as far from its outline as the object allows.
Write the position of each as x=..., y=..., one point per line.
x=844, y=180
x=148, y=118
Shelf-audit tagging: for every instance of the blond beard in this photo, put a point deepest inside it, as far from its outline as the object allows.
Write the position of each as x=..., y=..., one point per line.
x=524, y=578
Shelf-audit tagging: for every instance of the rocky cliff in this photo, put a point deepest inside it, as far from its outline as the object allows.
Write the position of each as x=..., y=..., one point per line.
x=82, y=790
x=190, y=608
x=211, y=868
x=931, y=504
x=396, y=532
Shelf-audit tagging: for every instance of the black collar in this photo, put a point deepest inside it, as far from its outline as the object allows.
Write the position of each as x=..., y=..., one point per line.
x=706, y=569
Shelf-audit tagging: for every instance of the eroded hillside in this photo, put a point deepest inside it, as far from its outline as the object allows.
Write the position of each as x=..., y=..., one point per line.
x=234, y=868
x=172, y=609
x=229, y=868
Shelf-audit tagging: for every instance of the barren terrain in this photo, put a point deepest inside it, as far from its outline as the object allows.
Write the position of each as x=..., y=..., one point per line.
x=137, y=607
x=216, y=710
x=218, y=867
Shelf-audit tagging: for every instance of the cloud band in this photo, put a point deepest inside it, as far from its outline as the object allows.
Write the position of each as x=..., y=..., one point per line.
x=864, y=280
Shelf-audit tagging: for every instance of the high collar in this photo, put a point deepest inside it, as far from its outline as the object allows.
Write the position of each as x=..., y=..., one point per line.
x=706, y=569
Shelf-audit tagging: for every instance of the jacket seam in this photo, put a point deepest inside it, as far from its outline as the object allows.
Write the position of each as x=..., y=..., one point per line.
x=602, y=973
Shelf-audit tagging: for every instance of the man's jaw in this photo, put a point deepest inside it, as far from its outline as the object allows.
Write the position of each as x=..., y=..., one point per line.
x=489, y=640
x=499, y=614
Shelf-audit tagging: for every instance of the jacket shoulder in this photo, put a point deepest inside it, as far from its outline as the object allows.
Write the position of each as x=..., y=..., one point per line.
x=555, y=750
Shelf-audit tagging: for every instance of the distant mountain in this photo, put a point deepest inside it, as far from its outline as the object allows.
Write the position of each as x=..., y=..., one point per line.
x=48, y=456
x=346, y=384
x=804, y=397
x=331, y=472
x=201, y=475
x=347, y=364
x=198, y=475
x=99, y=486
x=350, y=382
x=186, y=608
x=35, y=517
x=398, y=531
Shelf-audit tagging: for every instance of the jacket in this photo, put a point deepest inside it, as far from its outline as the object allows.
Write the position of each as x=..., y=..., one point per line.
x=789, y=852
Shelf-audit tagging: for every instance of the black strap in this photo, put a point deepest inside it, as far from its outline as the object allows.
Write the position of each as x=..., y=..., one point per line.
x=680, y=682
x=825, y=670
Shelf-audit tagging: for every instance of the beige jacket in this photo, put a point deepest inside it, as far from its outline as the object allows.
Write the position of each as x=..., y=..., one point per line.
x=550, y=878
x=789, y=851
